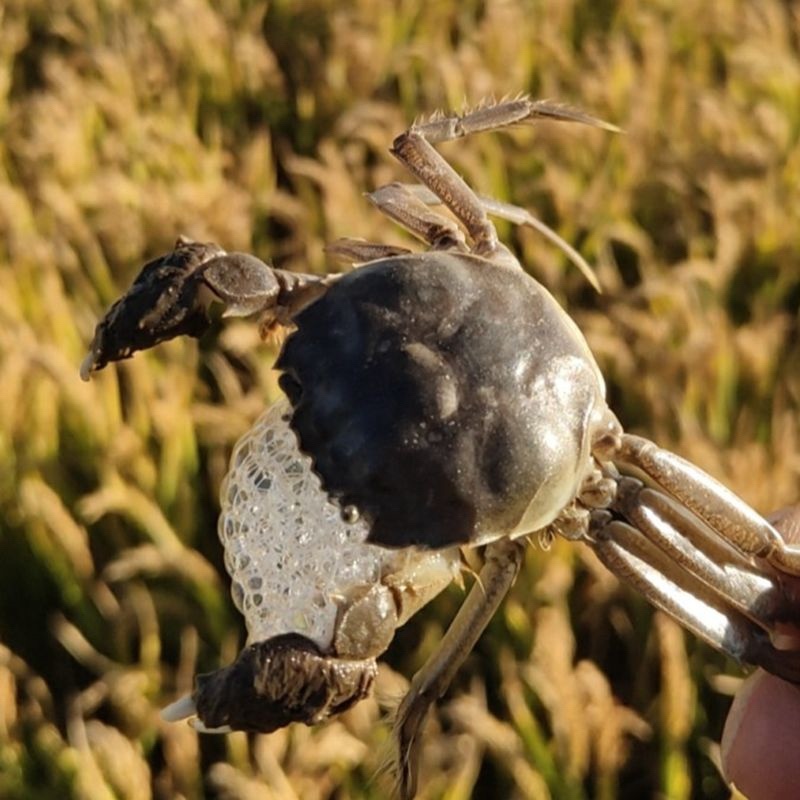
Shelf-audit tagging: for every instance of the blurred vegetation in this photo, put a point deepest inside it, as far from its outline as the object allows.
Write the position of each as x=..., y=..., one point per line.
x=259, y=125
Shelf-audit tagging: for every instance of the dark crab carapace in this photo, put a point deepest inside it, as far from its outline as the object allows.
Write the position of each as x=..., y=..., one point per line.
x=406, y=380
x=435, y=401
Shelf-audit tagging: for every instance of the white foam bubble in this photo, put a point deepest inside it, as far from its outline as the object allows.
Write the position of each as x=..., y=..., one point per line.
x=289, y=550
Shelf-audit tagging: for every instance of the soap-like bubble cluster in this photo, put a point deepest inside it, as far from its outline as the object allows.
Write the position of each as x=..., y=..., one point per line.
x=293, y=554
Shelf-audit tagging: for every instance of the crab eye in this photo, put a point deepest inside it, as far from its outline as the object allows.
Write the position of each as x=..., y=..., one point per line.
x=292, y=552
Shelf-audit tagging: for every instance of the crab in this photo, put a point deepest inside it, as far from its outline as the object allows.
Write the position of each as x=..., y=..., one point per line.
x=434, y=401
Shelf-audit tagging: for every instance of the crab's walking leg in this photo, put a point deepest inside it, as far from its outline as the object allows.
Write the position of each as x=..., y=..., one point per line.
x=502, y=562
x=760, y=593
x=397, y=202
x=639, y=562
x=401, y=204
x=414, y=148
x=359, y=251
x=518, y=216
x=717, y=506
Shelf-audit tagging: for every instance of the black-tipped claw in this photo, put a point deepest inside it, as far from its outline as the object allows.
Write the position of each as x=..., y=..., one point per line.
x=278, y=681
x=171, y=296
x=161, y=304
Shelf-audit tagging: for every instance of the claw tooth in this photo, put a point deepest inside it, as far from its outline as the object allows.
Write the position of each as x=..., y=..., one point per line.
x=198, y=725
x=87, y=366
x=185, y=708
x=180, y=709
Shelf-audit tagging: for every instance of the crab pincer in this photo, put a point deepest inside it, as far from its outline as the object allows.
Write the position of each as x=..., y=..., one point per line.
x=172, y=296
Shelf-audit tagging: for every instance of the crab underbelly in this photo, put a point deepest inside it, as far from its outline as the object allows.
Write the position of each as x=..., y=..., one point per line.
x=294, y=555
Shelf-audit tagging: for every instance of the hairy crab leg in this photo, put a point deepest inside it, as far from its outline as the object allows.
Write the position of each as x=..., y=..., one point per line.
x=638, y=562
x=503, y=559
x=518, y=216
x=354, y=252
x=402, y=206
x=414, y=149
x=407, y=204
x=712, y=502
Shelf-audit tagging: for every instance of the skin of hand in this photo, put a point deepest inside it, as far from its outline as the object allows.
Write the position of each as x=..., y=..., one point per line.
x=761, y=740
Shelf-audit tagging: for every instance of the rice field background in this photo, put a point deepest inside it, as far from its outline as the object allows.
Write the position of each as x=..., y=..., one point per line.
x=259, y=125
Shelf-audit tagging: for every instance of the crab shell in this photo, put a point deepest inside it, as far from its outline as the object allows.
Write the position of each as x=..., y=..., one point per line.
x=450, y=400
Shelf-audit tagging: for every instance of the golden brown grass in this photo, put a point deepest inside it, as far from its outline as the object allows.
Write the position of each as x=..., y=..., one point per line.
x=259, y=125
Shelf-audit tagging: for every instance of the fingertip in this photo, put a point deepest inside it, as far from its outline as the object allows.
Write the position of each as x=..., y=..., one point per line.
x=761, y=741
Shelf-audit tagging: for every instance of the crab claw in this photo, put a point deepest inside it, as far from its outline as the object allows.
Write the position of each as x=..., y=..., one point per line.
x=182, y=708
x=185, y=708
x=163, y=302
x=171, y=296
x=281, y=680
x=198, y=725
